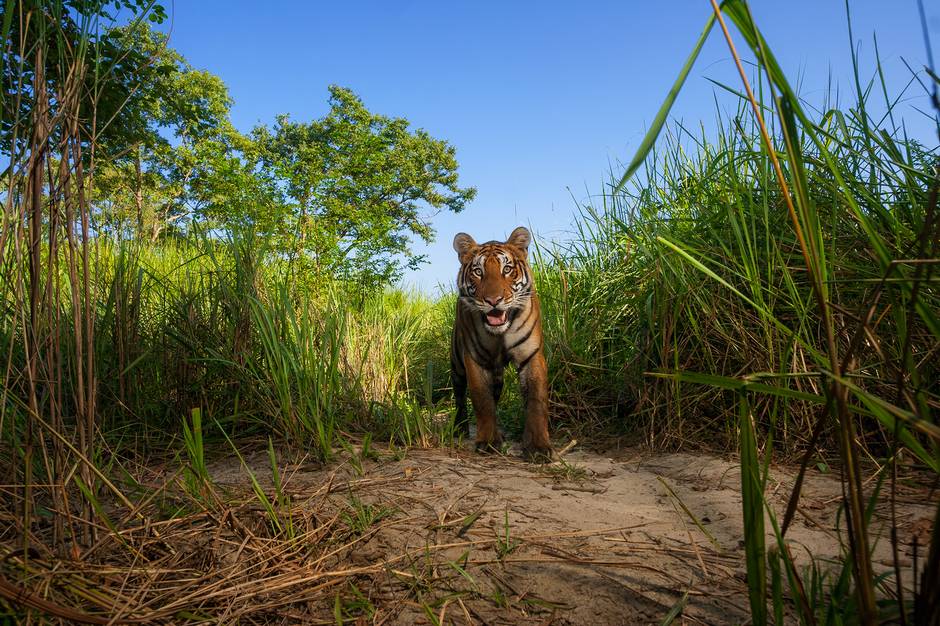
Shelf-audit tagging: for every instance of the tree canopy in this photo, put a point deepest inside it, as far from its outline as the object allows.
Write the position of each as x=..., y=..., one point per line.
x=346, y=196
x=355, y=187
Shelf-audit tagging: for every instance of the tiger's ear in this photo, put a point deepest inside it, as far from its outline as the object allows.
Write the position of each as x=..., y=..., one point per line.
x=465, y=246
x=520, y=238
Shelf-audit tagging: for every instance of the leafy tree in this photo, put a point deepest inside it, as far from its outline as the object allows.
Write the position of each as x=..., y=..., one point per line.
x=344, y=196
x=168, y=119
x=355, y=188
x=106, y=64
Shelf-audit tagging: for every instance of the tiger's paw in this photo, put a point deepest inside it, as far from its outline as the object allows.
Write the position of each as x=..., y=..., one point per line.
x=487, y=447
x=493, y=446
x=539, y=454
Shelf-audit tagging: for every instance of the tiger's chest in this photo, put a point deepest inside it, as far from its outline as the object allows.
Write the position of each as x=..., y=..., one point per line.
x=497, y=350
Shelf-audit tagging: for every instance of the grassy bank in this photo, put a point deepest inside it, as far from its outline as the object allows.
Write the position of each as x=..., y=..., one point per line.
x=697, y=271
x=221, y=327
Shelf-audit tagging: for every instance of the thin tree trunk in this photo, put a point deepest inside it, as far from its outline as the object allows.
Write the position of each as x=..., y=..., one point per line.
x=34, y=214
x=139, y=194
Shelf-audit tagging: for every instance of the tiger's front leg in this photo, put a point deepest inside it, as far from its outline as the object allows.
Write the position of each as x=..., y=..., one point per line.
x=533, y=379
x=459, y=382
x=480, y=384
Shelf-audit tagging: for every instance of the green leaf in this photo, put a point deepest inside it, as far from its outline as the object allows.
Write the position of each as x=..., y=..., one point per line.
x=659, y=121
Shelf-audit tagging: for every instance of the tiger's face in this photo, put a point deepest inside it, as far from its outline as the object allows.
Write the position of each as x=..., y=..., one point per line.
x=494, y=279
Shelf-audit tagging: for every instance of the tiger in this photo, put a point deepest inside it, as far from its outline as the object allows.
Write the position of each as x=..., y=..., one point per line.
x=498, y=320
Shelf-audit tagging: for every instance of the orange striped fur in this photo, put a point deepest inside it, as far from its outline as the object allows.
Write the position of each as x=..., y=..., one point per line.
x=498, y=321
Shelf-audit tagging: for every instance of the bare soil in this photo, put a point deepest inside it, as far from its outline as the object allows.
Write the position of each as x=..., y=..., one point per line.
x=621, y=538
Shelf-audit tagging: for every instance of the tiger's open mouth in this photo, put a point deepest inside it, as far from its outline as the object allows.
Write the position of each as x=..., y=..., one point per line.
x=496, y=317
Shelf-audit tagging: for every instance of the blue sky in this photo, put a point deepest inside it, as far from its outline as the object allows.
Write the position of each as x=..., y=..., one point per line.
x=538, y=98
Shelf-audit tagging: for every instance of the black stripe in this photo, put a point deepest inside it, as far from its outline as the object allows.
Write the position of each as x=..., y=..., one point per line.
x=474, y=337
x=528, y=358
x=471, y=335
x=522, y=325
x=531, y=312
x=523, y=340
x=473, y=354
x=453, y=342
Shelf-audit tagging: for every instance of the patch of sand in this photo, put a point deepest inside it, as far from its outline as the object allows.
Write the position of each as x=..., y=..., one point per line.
x=605, y=540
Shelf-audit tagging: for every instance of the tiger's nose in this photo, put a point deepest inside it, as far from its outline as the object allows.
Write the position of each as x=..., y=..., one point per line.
x=493, y=301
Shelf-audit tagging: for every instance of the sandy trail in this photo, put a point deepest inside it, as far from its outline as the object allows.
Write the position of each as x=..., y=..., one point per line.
x=603, y=540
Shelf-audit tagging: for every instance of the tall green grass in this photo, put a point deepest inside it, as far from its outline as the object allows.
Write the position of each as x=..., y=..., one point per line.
x=770, y=288
x=690, y=282
x=218, y=327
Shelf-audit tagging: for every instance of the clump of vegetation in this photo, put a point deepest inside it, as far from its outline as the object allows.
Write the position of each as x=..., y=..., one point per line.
x=687, y=285
x=774, y=288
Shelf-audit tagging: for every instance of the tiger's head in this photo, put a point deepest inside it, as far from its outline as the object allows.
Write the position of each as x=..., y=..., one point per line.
x=494, y=279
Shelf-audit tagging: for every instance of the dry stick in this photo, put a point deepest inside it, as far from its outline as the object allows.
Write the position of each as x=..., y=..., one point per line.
x=85, y=461
x=855, y=511
x=287, y=581
x=443, y=515
x=253, y=587
x=695, y=548
x=440, y=617
x=558, y=554
x=567, y=448
x=125, y=605
x=91, y=382
x=57, y=378
x=135, y=511
x=37, y=156
x=20, y=596
x=307, y=594
x=691, y=515
x=588, y=489
x=14, y=223
x=465, y=612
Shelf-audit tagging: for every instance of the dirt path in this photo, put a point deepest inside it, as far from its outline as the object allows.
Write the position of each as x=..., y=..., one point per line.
x=601, y=540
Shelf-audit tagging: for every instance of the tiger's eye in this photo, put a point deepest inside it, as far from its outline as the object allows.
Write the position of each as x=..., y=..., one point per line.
x=477, y=272
x=507, y=270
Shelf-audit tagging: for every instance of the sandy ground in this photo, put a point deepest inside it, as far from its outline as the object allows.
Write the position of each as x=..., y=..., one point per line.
x=602, y=539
